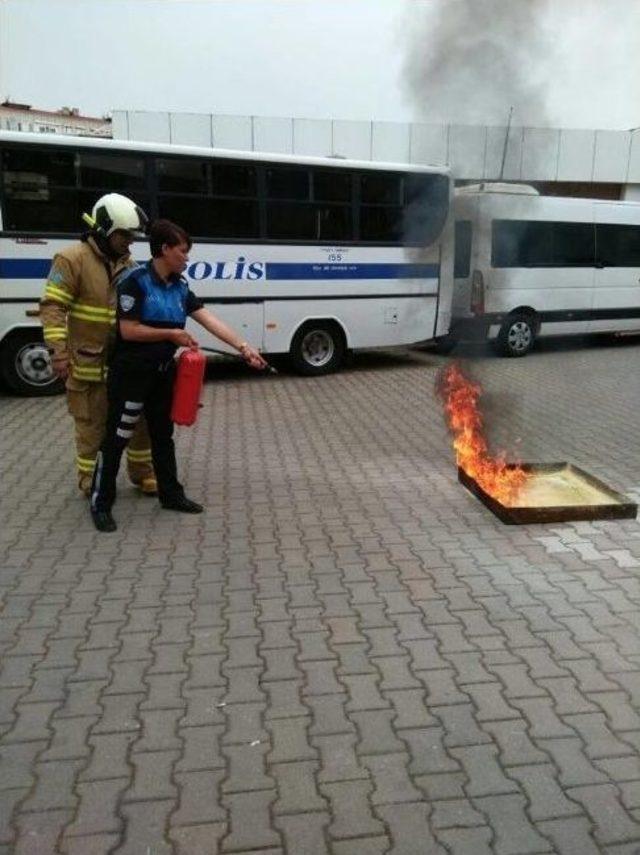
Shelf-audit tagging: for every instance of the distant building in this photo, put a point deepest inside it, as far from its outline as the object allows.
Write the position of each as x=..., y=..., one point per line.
x=66, y=120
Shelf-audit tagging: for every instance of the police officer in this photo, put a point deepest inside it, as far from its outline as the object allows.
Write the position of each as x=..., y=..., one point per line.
x=154, y=302
x=77, y=313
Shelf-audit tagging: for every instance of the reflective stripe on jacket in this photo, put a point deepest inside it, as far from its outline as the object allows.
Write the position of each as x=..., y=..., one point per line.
x=78, y=308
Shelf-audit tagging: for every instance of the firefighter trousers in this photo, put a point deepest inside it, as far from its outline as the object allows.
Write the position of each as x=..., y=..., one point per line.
x=133, y=392
x=87, y=404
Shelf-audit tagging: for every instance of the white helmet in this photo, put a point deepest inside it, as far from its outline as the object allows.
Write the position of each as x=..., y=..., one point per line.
x=113, y=212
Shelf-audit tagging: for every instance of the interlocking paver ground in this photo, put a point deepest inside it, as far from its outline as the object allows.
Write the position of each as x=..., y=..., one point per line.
x=346, y=653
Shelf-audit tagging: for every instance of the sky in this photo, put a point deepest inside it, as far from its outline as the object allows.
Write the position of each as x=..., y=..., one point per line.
x=348, y=59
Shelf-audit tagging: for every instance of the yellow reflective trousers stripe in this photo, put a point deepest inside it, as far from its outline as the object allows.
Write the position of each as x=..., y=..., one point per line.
x=88, y=372
x=139, y=456
x=85, y=464
x=55, y=333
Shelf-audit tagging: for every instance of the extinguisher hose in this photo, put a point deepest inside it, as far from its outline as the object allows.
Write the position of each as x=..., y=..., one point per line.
x=268, y=370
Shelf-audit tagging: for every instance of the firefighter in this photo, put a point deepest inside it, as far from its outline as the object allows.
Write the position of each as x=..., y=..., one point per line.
x=78, y=319
x=153, y=304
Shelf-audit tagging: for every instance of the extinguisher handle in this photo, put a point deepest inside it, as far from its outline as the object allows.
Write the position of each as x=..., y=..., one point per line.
x=268, y=370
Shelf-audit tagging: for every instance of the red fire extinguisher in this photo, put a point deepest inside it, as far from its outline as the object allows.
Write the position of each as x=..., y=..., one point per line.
x=187, y=387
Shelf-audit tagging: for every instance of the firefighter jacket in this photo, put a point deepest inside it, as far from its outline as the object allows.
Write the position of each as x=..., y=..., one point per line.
x=78, y=309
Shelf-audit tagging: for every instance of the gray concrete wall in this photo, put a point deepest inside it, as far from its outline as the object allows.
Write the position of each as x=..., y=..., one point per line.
x=473, y=152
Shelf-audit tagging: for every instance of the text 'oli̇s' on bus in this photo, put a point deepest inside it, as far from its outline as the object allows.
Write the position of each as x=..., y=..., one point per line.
x=308, y=257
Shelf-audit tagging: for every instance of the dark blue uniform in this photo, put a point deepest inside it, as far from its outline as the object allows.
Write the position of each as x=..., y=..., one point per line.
x=141, y=376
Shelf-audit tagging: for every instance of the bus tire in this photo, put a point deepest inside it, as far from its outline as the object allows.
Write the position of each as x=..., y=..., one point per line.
x=318, y=347
x=25, y=365
x=517, y=335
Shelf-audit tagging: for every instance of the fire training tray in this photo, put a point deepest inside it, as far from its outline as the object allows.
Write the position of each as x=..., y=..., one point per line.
x=579, y=496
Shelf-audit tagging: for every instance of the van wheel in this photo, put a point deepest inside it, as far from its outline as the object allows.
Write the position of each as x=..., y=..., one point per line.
x=318, y=347
x=517, y=335
x=25, y=365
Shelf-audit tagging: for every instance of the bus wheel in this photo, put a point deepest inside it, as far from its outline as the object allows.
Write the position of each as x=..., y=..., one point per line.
x=317, y=348
x=517, y=335
x=25, y=365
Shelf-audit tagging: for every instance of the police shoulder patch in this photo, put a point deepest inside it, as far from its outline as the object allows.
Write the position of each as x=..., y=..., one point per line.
x=127, y=302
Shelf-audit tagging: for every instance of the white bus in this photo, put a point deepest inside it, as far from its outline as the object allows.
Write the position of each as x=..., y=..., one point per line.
x=529, y=265
x=308, y=257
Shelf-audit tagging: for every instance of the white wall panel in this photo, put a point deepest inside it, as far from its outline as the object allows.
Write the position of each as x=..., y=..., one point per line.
x=312, y=137
x=575, y=161
x=495, y=150
x=120, y=125
x=634, y=157
x=631, y=193
x=390, y=141
x=466, y=150
x=429, y=144
x=149, y=127
x=190, y=128
x=352, y=139
x=233, y=132
x=612, y=155
x=273, y=134
x=540, y=154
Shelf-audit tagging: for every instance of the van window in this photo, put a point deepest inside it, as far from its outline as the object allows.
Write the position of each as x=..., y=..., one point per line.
x=462, y=262
x=531, y=243
x=618, y=245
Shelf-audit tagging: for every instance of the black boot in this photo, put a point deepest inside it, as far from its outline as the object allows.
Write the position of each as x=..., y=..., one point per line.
x=103, y=520
x=182, y=504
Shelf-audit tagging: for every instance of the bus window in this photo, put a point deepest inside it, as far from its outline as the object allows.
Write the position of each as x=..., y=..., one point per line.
x=111, y=172
x=39, y=194
x=182, y=174
x=322, y=220
x=211, y=201
x=284, y=182
x=234, y=179
x=618, y=245
x=462, y=262
x=206, y=217
x=332, y=186
x=381, y=223
x=426, y=206
x=290, y=221
x=381, y=188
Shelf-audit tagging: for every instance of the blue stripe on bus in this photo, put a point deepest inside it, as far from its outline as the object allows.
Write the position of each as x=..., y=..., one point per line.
x=38, y=268
x=281, y=270
x=24, y=268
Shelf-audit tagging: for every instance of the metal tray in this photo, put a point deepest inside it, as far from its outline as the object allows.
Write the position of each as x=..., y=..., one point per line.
x=574, y=494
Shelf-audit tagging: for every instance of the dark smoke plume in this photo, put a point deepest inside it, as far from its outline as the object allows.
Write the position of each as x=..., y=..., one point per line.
x=471, y=60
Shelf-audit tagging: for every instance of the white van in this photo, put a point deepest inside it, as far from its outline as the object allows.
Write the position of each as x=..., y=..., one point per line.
x=529, y=266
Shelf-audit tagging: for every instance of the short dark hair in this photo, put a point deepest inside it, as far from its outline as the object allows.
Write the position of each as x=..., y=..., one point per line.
x=163, y=232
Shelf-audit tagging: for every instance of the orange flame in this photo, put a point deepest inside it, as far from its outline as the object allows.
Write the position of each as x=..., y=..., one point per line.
x=496, y=477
